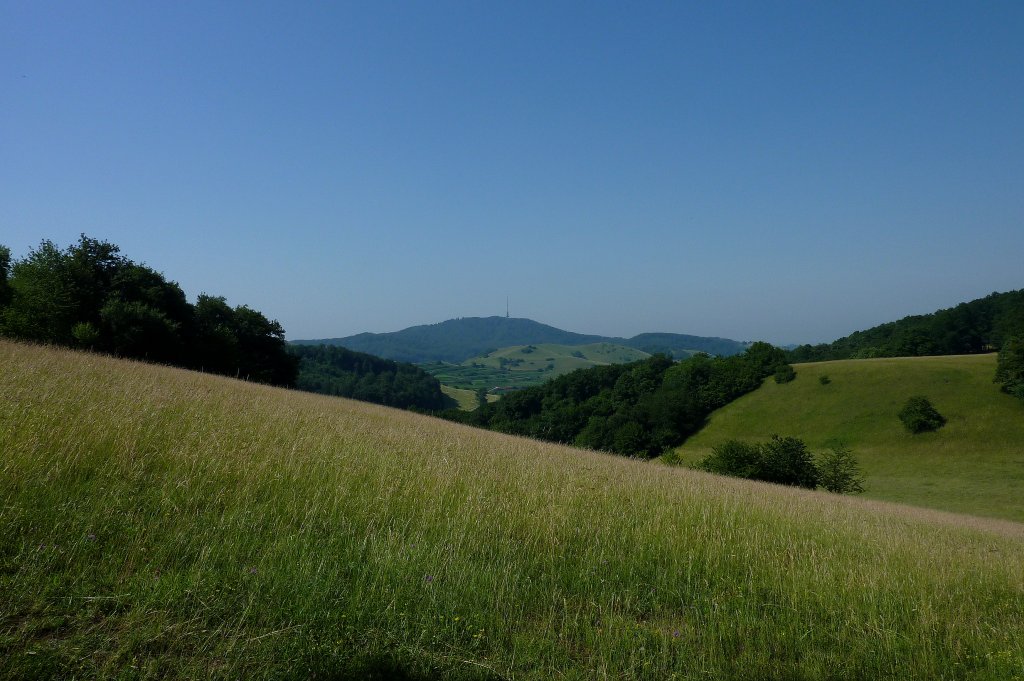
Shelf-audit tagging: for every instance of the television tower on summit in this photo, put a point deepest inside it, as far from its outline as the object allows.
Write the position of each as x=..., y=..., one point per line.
x=506, y=307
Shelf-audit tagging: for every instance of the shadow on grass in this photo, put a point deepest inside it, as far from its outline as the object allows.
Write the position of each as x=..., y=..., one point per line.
x=390, y=667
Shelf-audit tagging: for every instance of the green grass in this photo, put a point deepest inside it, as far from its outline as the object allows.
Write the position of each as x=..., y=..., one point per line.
x=466, y=398
x=521, y=366
x=974, y=464
x=158, y=523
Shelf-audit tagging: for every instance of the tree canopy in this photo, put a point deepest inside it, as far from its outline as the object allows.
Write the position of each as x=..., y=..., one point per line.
x=334, y=370
x=90, y=296
x=982, y=325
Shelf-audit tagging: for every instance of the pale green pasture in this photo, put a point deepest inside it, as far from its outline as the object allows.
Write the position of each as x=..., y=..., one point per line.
x=974, y=464
x=466, y=398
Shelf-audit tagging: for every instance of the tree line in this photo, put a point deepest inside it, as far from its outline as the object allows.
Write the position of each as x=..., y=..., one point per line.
x=982, y=325
x=90, y=296
x=637, y=409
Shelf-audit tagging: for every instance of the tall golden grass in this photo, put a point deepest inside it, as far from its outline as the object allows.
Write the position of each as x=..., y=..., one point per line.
x=159, y=523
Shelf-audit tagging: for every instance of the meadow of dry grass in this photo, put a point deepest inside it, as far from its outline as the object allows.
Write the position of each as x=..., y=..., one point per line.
x=159, y=523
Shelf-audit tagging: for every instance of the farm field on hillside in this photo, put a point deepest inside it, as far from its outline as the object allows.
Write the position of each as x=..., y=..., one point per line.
x=521, y=366
x=974, y=464
x=160, y=523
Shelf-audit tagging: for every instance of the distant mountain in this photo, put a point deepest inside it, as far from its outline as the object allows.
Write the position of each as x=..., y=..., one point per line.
x=680, y=345
x=969, y=328
x=457, y=340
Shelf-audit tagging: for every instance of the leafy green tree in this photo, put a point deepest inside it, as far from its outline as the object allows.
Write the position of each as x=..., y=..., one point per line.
x=839, y=472
x=919, y=416
x=1010, y=366
x=5, y=272
x=215, y=345
x=735, y=458
x=134, y=329
x=787, y=461
x=86, y=335
x=784, y=374
x=41, y=304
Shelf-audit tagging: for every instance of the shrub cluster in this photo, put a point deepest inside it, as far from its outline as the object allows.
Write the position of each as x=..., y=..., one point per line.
x=1010, y=367
x=919, y=416
x=784, y=374
x=787, y=461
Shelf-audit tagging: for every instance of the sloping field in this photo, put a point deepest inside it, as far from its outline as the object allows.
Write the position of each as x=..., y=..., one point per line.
x=157, y=523
x=974, y=464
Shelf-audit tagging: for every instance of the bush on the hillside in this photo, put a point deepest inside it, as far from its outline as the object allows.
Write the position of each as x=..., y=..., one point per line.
x=785, y=461
x=919, y=416
x=735, y=458
x=784, y=374
x=1010, y=367
x=824, y=379
x=838, y=471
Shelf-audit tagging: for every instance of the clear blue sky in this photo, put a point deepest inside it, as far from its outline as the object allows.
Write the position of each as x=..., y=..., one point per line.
x=788, y=171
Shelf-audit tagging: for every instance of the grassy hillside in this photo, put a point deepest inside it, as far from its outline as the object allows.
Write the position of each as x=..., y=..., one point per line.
x=974, y=464
x=521, y=366
x=157, y=523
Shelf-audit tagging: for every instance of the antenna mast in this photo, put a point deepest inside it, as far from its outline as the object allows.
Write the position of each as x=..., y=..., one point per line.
x=506, y=307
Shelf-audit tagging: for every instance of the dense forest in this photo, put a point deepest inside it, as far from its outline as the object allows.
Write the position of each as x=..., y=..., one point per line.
x=338, y=371
x=457, y=340
x=90, y=296
x=637, y=409
x=981, y=325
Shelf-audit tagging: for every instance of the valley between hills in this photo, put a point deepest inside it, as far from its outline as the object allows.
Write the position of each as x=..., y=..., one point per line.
x=184, y=494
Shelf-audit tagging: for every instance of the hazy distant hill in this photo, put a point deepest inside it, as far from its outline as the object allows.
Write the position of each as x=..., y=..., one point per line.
x=681, y=345
x=457, y=340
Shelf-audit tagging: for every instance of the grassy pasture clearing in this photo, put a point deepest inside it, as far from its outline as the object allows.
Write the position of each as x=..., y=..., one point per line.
x=466, y=398
x=974, y=464
x=158, y=523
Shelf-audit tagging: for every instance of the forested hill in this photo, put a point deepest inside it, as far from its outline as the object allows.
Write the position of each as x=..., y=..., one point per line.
x=637, y=409
x=978, y=326
x=457, y=340
x=334, y=370
x=681, y=345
